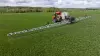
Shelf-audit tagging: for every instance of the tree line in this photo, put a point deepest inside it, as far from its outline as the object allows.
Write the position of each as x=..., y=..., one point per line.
x=26, y=9
x=8, y=9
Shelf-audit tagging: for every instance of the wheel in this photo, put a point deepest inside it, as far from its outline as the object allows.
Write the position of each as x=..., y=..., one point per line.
x=72, y=19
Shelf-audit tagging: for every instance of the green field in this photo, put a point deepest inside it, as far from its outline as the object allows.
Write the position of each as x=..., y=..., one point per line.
x=79, y=39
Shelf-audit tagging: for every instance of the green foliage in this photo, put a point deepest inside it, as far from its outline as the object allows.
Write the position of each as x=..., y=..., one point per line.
x=79, y=39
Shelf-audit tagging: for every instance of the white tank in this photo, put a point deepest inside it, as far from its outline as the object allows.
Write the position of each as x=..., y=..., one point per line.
x=64, y=14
